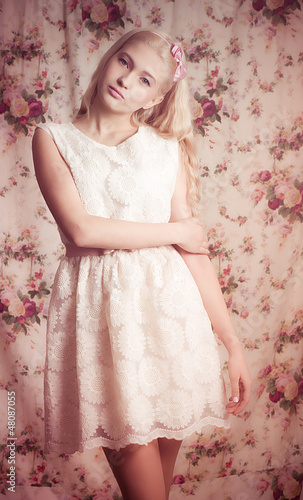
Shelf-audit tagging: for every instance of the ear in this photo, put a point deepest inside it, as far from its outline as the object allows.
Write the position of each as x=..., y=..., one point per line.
x=154, y=102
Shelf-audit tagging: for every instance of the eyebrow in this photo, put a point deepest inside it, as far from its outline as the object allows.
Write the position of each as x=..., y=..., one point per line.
x=132, y=61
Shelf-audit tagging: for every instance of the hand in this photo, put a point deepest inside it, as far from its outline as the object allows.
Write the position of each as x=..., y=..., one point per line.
x=240, y=382
x=193, y=238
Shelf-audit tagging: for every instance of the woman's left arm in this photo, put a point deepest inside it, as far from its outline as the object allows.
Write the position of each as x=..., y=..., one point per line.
x=205, y=277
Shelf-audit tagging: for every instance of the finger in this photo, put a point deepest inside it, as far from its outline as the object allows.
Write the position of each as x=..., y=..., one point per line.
x=235, y=390
x=245, y=394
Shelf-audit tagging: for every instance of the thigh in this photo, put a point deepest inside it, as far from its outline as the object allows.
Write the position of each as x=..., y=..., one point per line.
x=168, y=449
x=138, y=471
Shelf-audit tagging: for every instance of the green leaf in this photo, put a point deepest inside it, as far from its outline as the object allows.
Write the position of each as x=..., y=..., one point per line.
x=211, y=92
x=286, y=405
x=284, y=211
x=197, y=97
x=17, y=327
x=271, y=386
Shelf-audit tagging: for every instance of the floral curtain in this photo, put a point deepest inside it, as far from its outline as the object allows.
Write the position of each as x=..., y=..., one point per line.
x=245, y=67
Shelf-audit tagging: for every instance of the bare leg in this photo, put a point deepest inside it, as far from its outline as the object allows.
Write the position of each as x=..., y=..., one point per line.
x=168, y=452
x=138, y=471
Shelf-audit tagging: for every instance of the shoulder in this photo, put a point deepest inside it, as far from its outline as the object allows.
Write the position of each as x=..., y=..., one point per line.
x=52, y=128
x=156, y=139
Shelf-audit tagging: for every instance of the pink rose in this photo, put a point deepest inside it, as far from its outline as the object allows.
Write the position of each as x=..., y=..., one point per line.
x=262, y=485
x=274, y=4
x=234, y=116
x=19, y=107
x=9, y=337
x=292, y=197
x=257, y=195
x=291, y=390
x=270, y=31
x=99, y=13
x=9, y=95
x=92, y=44
x=285, y=423
x=285, y=229
x=210, y=444
x=281, y=189
x=72, y=4
x=261, y=389
x=87, y=5
x=254, y=177
x=6, y=296
x=265, y=175
x=16, y=307
x=244, y=313
x=282, y=381
x=291, y=489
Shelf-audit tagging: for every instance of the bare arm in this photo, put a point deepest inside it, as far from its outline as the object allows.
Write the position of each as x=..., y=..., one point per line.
x=86, y=230
x=205, y=277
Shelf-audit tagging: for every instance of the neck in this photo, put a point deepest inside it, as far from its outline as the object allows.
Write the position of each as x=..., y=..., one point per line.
x=106, y=121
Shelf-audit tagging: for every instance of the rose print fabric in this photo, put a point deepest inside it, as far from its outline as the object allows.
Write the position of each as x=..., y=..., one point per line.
x=245, y=71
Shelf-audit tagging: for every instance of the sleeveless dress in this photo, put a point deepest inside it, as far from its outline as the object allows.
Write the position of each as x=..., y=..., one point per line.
x=130, y=352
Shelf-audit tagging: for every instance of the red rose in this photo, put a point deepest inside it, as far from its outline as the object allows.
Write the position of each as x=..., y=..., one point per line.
x=199, y=122
x=22, y=120
x=30, y=307
x=21, y=320
x=300, y=387
x=2, y=307
x=258, y=4
x=3, y=108
x=85, y=15
x=273, y=205
x=35, y=107
x=275, y=397
x=277, y=494
x=113, y=12
x=209, y=107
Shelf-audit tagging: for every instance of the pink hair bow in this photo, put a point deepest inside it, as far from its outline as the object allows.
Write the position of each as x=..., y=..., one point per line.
x=177, y=53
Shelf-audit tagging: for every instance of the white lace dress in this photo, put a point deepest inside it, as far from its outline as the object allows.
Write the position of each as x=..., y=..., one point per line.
x=130, y=351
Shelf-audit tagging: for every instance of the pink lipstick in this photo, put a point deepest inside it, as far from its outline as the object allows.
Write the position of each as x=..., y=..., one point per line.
x=115, y=93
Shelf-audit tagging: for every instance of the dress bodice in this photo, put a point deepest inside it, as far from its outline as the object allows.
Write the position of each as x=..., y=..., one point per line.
x=133, y=181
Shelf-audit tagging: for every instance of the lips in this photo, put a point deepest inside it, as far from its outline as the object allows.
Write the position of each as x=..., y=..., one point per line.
x=115, y=93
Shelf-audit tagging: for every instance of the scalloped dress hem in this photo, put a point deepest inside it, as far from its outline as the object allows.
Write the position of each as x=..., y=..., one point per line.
x=136, y=439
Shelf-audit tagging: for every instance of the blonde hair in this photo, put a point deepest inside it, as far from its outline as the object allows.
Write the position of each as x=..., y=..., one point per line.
x=171, y=118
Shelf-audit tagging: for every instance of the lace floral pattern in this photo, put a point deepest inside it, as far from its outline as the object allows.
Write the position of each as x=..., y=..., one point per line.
x=130, y=351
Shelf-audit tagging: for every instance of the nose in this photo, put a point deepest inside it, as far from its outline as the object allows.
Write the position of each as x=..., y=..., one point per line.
x=121, y=82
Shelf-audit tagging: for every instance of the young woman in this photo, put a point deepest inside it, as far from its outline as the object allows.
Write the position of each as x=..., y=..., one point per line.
x=132, y=362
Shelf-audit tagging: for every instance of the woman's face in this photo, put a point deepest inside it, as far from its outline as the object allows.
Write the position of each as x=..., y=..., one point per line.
x=132, y=79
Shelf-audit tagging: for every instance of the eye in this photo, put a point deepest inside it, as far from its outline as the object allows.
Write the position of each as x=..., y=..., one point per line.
x=145, y=81
x=123, y=61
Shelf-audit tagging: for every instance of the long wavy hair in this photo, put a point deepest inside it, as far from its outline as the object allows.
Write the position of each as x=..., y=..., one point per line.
x=171, y=118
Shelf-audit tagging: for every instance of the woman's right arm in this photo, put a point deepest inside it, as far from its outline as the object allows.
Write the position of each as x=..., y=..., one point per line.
x=89, y=231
